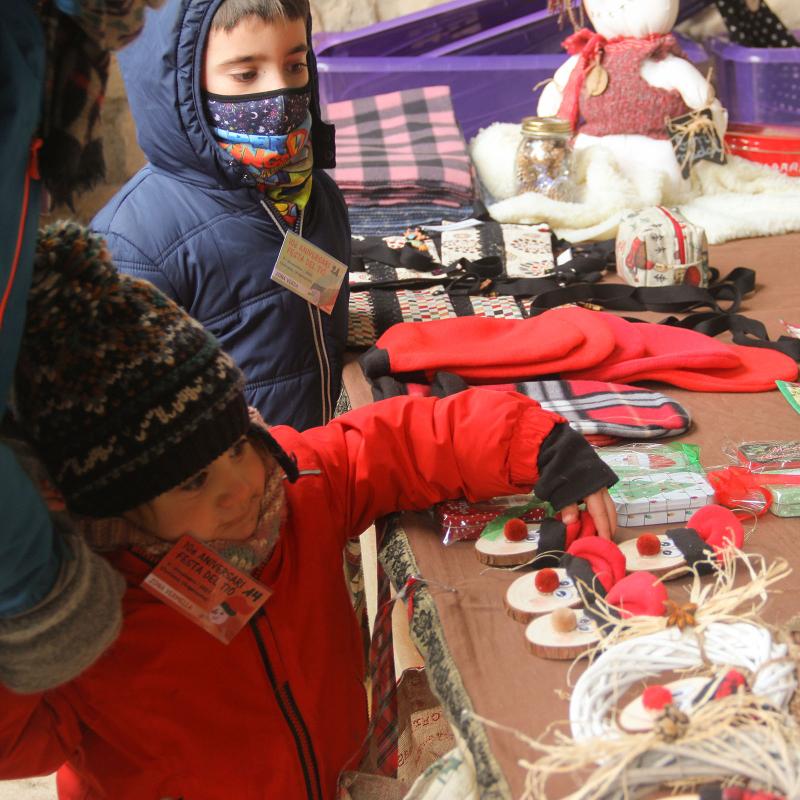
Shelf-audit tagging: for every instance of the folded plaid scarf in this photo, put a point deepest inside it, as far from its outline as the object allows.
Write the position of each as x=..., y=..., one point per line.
x=600, y=411
x=400, y=147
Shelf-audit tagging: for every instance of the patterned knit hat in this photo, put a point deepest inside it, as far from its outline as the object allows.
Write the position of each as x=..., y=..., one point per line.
x=123, y=394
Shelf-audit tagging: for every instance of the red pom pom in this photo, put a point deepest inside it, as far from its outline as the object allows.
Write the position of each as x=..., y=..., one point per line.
x=648, y=544
x=546, y=580
x=655, y=698
x=515, y=530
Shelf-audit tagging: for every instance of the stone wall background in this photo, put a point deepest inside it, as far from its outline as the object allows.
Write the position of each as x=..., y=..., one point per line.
x=123, y=157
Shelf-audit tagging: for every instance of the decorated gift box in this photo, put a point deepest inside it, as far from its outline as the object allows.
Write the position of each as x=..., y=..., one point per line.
x=659, y=484
x=659, y=247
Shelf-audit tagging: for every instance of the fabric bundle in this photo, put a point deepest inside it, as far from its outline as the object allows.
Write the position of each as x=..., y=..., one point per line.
x=402, y=149
x=382, y=295
x=603, y=412
x=574, y=343
x=383, y=220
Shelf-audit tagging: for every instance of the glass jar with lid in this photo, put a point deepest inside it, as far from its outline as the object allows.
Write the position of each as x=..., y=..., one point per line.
x=544, y=158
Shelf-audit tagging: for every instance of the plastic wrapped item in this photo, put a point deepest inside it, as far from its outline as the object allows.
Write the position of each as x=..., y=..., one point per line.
x=768, y=455
x=639, y=459
x=659, y=483
x=461, y=520
x=785, y=497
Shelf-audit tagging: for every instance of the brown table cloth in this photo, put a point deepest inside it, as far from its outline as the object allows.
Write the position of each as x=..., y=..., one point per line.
x=476, y=654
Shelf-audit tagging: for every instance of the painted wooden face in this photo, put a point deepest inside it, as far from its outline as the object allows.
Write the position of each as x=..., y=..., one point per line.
x=636, y=18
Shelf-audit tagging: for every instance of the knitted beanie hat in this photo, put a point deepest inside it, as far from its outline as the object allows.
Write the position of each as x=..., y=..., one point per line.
x=123, y=394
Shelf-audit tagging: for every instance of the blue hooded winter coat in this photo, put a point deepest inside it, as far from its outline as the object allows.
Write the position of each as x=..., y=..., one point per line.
x=186, y=223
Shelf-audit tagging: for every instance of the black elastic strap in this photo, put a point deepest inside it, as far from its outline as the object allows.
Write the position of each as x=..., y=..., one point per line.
x=745, y=331
x=374, y=248
x=697, y=553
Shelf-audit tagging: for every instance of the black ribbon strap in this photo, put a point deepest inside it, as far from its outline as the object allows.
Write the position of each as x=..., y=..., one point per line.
x=697, y=553
x=552, y=538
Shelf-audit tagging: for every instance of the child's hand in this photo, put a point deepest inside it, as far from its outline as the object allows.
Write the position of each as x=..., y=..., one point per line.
x=601, y=508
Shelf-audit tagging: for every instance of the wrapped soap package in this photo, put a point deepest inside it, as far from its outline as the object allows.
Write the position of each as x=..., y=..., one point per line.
x=785, y=497
x=658, y=246
x=659, y=483
x=769, y=455
x=461, y=520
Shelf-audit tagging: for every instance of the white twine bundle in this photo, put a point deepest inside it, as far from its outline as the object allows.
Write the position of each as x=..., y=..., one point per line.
x=742, y=645
x=719, y=600
x=734, y=738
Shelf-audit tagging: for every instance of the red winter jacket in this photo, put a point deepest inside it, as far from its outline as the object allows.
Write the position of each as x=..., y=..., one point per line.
x=169, y=712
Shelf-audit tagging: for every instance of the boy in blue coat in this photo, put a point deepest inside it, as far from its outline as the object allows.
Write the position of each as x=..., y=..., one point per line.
x=225, y=98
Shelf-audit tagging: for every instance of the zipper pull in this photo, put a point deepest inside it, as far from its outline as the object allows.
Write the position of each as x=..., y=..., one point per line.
x=33, y=159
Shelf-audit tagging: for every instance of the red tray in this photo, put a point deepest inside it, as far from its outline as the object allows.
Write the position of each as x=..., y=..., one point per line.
x=774, y=145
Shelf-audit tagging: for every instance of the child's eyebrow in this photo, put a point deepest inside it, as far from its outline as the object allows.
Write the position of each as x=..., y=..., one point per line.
x=300, y=48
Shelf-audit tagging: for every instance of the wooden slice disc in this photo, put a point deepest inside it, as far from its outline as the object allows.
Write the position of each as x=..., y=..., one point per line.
x=524, y=601
x=635, y=718
x=668, y=559
x=502, y=553
x=596, y=81
x=546, y=642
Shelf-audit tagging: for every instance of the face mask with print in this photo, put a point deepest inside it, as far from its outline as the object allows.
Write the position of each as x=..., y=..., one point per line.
x=275, y=113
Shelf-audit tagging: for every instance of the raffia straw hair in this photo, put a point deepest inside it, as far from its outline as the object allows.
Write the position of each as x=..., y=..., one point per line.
x=738, y=736
x=718, y=601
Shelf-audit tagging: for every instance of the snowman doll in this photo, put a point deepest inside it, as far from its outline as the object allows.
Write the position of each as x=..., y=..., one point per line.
x=624, y=80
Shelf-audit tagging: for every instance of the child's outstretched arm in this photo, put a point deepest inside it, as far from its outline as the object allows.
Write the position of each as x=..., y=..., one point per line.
x=411, y=452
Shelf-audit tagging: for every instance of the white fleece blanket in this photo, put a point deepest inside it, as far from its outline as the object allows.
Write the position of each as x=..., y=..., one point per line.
x=731, y=201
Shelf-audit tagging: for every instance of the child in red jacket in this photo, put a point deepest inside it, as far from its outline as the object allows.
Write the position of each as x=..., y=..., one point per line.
x=142, y=424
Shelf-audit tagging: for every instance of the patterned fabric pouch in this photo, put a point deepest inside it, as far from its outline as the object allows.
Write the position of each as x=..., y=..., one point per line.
x=487, y=270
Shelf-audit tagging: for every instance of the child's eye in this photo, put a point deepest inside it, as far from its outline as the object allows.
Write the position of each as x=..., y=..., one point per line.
x=244, y=77
x=297, y=68
x=195, y=483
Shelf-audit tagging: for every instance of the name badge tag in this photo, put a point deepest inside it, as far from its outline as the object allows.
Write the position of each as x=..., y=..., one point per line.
x=202, y=586
x=308, y=271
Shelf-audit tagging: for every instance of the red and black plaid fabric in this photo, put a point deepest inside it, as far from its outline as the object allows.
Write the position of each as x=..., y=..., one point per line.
x=593, y=408
x=401, y=147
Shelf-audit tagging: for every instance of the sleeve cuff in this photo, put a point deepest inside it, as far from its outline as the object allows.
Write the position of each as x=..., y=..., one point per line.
x=570, y=469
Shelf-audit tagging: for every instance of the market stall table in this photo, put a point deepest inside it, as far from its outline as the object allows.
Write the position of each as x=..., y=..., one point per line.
x=476, y=654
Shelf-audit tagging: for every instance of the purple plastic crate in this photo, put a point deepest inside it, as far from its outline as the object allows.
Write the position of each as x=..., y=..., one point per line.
x=758, y=84
x=536, y=34
x=539, y=32
x=492, y=53
x=416, y=34
x=484, y=89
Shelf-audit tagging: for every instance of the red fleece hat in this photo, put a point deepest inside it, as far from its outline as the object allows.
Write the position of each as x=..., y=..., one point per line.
x=604, y=557
x=717, y=526
x=760, y=367
x=638, y=595
x=642, y=347
x=488, y=350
